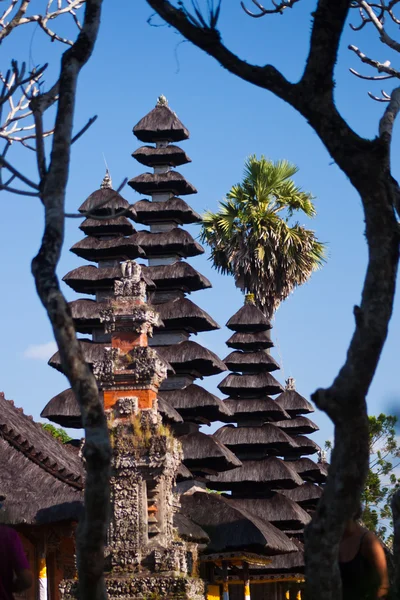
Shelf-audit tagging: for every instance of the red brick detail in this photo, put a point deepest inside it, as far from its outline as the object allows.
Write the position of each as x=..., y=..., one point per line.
x=126, y=341
x=146, y=398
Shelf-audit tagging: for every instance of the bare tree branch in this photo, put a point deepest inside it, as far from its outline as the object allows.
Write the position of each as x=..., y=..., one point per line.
x=278, y=8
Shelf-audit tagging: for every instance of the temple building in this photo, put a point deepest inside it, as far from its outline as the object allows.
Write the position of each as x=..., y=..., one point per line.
x=194, y=515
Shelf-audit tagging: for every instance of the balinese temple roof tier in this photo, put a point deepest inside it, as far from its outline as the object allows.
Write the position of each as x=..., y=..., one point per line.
x=309, y=470
x=97, y=249
x=307, y=495
x=282, y=512
x=298, y=425
x=194, y=401
x=64, y=410
x=112, y=226
x=249, y=318
x=255, y=442
x=257, y=477
x=250, y=341
x=189, y=531
x=86, y=314
x=291, y=401
x=177, y=276
x=260, y=409
x=105, y=201
x=170, y=155
x=219, y=519
x=174, y=210
x=173, y=242
x=252, y=362
x=189, y=357
x=183, y=314
x=250, y=385
x=156, y=183
x=89, y=279
x=204, y=454
x=303, y=446
x=161, y=124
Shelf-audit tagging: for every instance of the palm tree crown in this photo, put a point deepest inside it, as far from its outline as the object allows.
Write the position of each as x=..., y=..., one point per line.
x=251, y=238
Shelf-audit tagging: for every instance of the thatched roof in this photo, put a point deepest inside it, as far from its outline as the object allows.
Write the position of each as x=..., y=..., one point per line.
x=175, y=241
x=249, y=385
x=249, y=318
x=41, y=479
x=194, y=401
x=261, y=409
x=250, y=341
x=95, y=249
x=281, y=565
x=307, y=495
x=293, y=403
x=64, y=410
x=278, y=510
x=298, y=425
x=92, y=352
x=88, y=279
x=86, y=314
x=309, y=470
x=258, y=442
x=111, y=226
x=103, y=201
x=259, y=360
x=203, y=454
x=304, y=445
x=183, y=314
x=179, y=275
x=231, y=528
x=170, y=181
x=169, y=155
x=174, y=209
x=183, y=473
x=168, y=413
x=256, y=476
x=189, y=531
x=189, y=357
x=160, y=124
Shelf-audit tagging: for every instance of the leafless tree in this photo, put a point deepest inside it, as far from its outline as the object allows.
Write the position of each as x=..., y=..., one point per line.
x=367, y=164
x=23, y=123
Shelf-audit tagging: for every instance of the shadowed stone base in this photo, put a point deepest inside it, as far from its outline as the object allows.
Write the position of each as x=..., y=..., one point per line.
x=144, y=588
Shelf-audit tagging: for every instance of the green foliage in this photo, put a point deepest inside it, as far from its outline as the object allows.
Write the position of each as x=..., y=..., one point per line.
x=57, y=432
x=382, y=481
x=250, y=236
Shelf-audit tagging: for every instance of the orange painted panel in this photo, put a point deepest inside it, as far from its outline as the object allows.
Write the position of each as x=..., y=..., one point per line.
x=125, y=341
x=146, y=398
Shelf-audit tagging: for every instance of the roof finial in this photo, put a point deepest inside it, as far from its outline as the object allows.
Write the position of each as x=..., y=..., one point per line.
x=322, y=456
x=162, y=101
x=290, y=384
x=107, y=182
x=249, y=299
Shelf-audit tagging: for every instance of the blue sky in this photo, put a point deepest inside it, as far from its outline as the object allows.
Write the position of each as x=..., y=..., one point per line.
x=228, y=119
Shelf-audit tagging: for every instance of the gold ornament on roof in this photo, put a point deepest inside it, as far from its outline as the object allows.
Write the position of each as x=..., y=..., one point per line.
x=162, y=101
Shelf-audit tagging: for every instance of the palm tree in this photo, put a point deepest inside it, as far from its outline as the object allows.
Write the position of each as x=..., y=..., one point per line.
x=251, y=238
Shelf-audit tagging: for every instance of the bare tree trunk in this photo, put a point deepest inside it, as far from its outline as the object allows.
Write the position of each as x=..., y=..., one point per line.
x=93, y=527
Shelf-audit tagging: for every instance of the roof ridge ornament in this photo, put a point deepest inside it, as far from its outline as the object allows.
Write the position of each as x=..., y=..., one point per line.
x=107, y=181
x=162, y=100
x=290, y=384
x=249, y=299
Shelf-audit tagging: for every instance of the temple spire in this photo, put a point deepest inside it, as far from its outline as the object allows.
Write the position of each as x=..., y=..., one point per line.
x=107, y=181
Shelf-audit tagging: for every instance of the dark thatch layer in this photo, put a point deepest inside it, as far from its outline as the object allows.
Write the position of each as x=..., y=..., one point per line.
x=95, y=249
x=189, y=531
x=176, y=241
x=103, y=201
x=183, y=314
x=304, y=445
x=92, y=352
x=260, y=360
x=183, y=474
x=41, y=479
x=174, y=209
x=160, y=124
x=263, y=441
x=257, y=475
x=86, y=314
x=170, y=155
x=260, y=409
x=194, y=401
x=249, y=385
x=284, y=564
x=88, y=279
x=278, y=510
x=231, y=528
x=250, y=341
x=309, y=470
x=294, y=404
x=64, y=410
x=179, y=275
x=249, y=318
x=203, y=453
x=171, y=181
x=307, y=495
x=298, y=425
x=168, y=413
x=119, y=225
x=189, y=357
